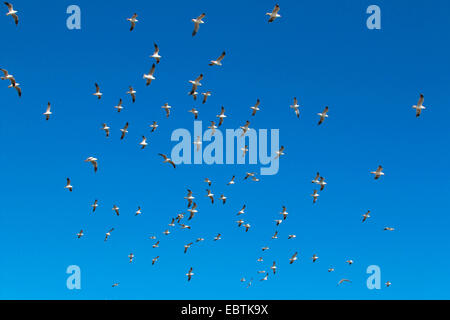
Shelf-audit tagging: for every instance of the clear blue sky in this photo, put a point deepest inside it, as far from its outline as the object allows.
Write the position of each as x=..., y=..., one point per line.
x=320, y=52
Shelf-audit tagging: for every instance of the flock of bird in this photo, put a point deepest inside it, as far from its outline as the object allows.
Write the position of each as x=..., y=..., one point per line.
x=192, y=206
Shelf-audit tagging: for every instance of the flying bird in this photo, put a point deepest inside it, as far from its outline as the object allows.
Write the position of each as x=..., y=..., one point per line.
x=205, y=96
x=6, y=74
x=143, y=143
x=97, y=93
x=245, y=128
x=80, y=234
x=208, y=181
x=155, y=54
x=419, y=107
x=190, y=274
x=93, y=161
x=279, y=153
x=131, y=257
x=167, y=108
x=274, y=14
x=223, y=198
x=156, y=245
x=366, y=216
x=197, y=21
x=132, y=93
x=274, y=267
x=275, y=235
x=218, y=62
x=124, y=131
x=242, y=211
x=292, y=236
x=11, y=12
x=154, y=260
x=68, y=185
x=192, y=211
x=47, y=113
x=133, y=21
x=231, y=181
x=255, y=107
x=296, y=107
x=240, y=222
x=108, y=234
x=149, y=76
x=218, y=237
x=94, y=206
x=154, y=126
x=187, y=246
x=388, y=229
x=315, y=196
x=316, y=179
x=284, y=213
x=342, y=281
x=106, y=129
x=247, y=227
x=115, y=284
x=248, y=175
x=323, y=115
x=388, y=284
x=350, y=262
x=210, y=195
x=195, y=84
x=198, y=143
x=167, y=160
x=194, y=112
x=116, y=209
x=138, y=212
x=322, y=183
x=119, y=107
x=314, y=258
x=278, y=222
x=213, y=127
x=221, y=116
x=265, y=278
x=293, y=258
x=378, y=173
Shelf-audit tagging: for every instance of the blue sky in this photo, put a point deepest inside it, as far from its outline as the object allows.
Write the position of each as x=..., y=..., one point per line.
x=320, y=52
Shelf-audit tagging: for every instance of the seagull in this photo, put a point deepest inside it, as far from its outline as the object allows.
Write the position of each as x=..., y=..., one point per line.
x=314, y=258
x=155, y=54
x=378, y=173
x=124, y=131
x=80, y=234
x=166, y=232
x=260, y=259
x=315, y=195
x=244, y=151
x=115, y=284
x=213, y=128
x=248, y=175
x=275, y=236
x=12, y=13
x=154, y=260
x=189, y=197
x=342, y=281
x=194, y=94
x=97, y=93
x=192, y=211
x=221, y=116
x=218, y=237
x=93, y=161
x=366, y=216
x=231, y=181
x=167, y=160
x=152, y=237
x=388, y=229
x=205, y=96
x=265, y=248
x=167, y=108
x=255, y=107
x=6, y=76
x=316, y=179
x=197, y=21
x=388, y=284
x=131, y=257
x=243, y=280
x=68, y=185
x=209, y=182
x=274, y=267
x=116, y=209
x=16, y=86
x=245, y=128
x=172, y=223
x=322, y=183
x=223, y=198
x=154, y=126
x=119, y=107
x=218, y=61
x=183, y=226
x=133, y=21
x=187, y=246
x=210, y=195
x=278, y=222
x=198, y=143
x=132, y=92
x=194, y=112
x=296, y=107
x=156, y=245
x=331, y=269
x=190, y=274
x=419, y=107
x=242, y=211
x=195, y=83
x=199, y=240
x=323, y=115
x=94, y=206
x=240, y=222
x=143, y=143
x=284, y=213
x=249, y=283
x=292, y=236
x=138, y=212
x=279, y=153
x=293, y=258
x=106, y=129
x=247, y=227
x=350, y=262
x=265, y=278
x=149, y=77
x=274, y=14
x=47, y=113
x=262, y=271
x=108, y=234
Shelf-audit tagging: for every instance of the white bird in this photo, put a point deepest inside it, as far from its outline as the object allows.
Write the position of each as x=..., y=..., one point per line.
x=279, y=153
x=156, y=245
x=124, y=131
x=223, y=198
x=275, y=235
x=316, y=179
x=274, y=14
x=265, y=278
x=94, y=206
x=167, y=160
x=133, y=21
x=292, y=236
x=245, y=128
x=378, y=173
x=189, y=197
x=119, y=107
x=106, y=129
x=265, y=248
x=190, y=274
x=213, y=127
x=155, y=54
x=322, y=183
x=205, y=96
x=167, y=108
x=278, y=222
x=242, y=211
x=247, y=227
x=198, y=143
x=116, y=209
x=154, y=260
x=231, y=181
x=210, y=195
x=244, y=150
x=11, y=12
x=132, y=93
x=192, y=211
x=388, y=229
x=419, y=107
x=388, y=284
x=221, y=116
x=248, y=175
x=315, y=196
x=350, y=262
x=274, y=267
x=6, y=76
x=68, y=185
x=331, y=269
x=94, y=162
x=97, y=93
x=195, y=84
x=314, y=258
x=194, y=112
x=115, y=284
x=260, y=259
x=240, y=222
x=138, y=212
x=16, y=86
x=218, y=237
x=166, y=232
x=131, y=257
x=187, y=246
x=143, y=143
x=255, y=107
x=47, y=113
x=200, y=239
x=184, y=226
x=80, y=234
x=366, y=216
x=172, y=223
x=154, y=126
x=284, y=213
x=208, y=181
x=197, y=21
x=108, y=234
x=149, y=76
x=293, y=258
x=218, y=62
x=323, y=115
x=296, y=107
